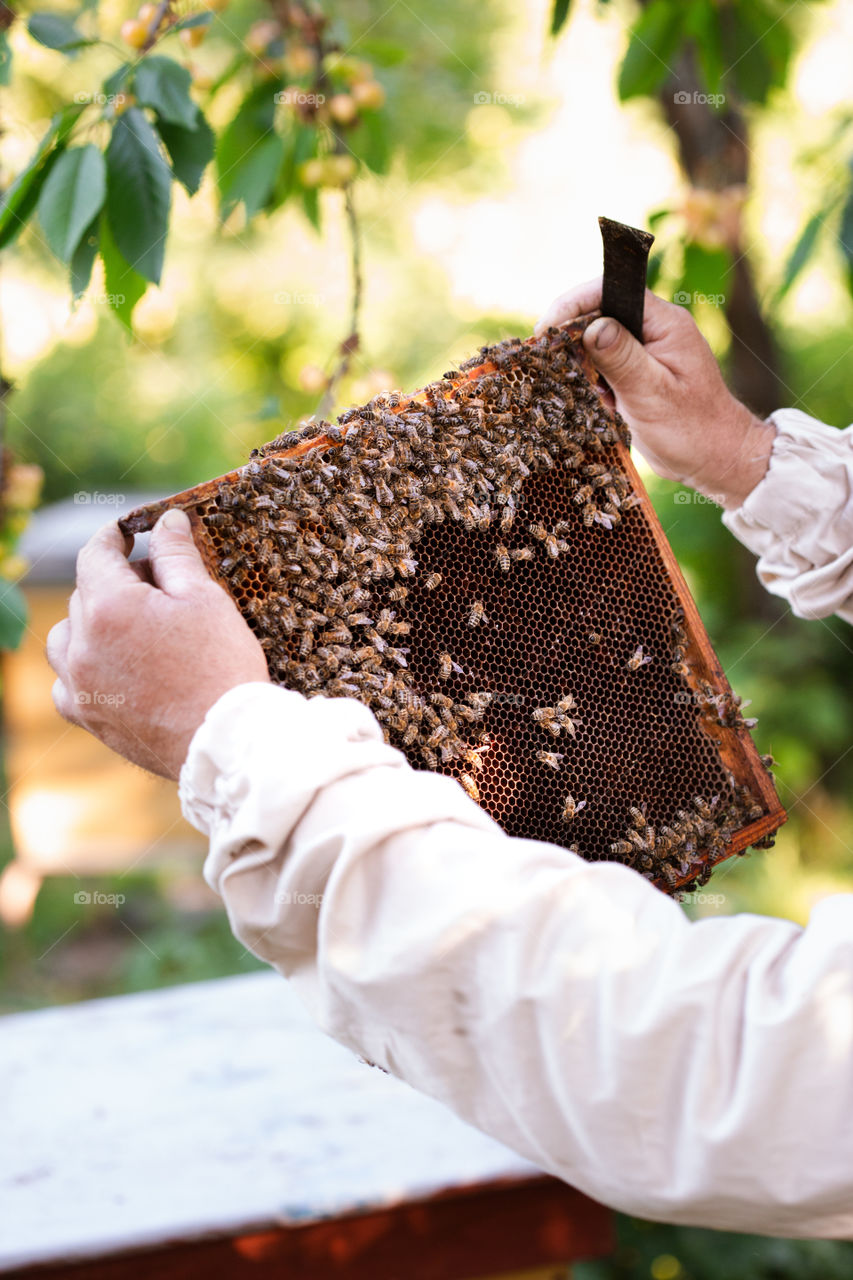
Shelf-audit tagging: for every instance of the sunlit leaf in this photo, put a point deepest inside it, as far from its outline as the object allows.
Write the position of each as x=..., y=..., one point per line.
x=139, y=184
x=22, y=196
x=249, y=154
x=72, y=197
x=56, y=31
x=800, y=254
x=164, y=84
x=190, y=150
x=13, y=615
x=83, y=260
x=654, y=39
x=124, y=286
x=845, y=233
x=5, y=59
x=559, y=16
x=370, y=143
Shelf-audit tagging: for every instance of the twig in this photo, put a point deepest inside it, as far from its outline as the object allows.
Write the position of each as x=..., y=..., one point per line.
x=352, y=341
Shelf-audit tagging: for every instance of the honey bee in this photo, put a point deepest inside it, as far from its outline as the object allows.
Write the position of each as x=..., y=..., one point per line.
x=680, y=669
x=507, y=518
x=447, y=667
x=554, y=546
x=589, y=514
x=410, y=734
x=430, y=757
x=571, y=808
x=553, y=759
x=399, y=592
x=477, y=614
x=621, y=847
x=638, y=818
x=432, y=581
x=638, y=659
x=502, y=555
x=470, y=786
x=523, y=554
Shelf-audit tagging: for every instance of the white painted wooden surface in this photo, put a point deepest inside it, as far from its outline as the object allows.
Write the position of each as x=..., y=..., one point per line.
x=205, y=1109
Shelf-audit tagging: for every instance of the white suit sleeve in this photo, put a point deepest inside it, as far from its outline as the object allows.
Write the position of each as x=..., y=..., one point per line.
x=799, y=519
x=686, y=1072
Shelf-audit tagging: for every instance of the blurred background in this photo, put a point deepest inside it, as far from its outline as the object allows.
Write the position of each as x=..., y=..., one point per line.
x=505, y=143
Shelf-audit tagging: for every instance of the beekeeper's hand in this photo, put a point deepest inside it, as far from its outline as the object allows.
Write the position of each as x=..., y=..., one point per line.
x=669, y=389
x=147, y=649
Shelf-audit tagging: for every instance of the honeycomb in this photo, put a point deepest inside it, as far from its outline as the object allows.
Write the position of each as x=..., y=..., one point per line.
x=480, y=564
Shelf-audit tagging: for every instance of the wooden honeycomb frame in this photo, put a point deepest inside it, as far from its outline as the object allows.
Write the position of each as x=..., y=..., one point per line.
x=570, y=621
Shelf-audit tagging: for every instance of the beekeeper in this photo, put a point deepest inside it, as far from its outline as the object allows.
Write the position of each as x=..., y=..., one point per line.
x=685, y=1072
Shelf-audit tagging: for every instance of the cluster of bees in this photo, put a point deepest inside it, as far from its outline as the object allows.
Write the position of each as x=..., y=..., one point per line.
x=317, y=538
x=683, y=851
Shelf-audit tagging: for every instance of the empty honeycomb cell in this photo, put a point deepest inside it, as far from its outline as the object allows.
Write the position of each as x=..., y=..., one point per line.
x=428, y=557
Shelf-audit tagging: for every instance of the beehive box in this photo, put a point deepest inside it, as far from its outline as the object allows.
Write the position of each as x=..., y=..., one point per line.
x=480, y=564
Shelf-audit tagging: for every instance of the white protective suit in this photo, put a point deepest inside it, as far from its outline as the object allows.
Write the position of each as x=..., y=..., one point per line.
x=684, y=1072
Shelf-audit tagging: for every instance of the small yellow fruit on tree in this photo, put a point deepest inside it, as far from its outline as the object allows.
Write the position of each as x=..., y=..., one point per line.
x=312, y=173
x=261, y=35
x=369, y=95
x=299, y=60
x=342, y=108
x=134, y=33
x=340, y=170
x=192, y=37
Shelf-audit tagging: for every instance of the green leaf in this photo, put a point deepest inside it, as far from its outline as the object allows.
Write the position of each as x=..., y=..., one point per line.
x=22, y=196
x=5, y=59
x=311, y=206
x=654, y=38
x=194, y=20
x=55, y=31
x=115, y=83
x=124, y=286
x=845, y=233
x=704, y=276
x=164, y=84
x=559, y=16
x=190, y=150
x=83, y=260
x=369, y=141
x=653, y=269
x=13, y=615
x=249, y=154
x=703, y=24
x=800, y=254
x=758, y=50
x=139, y=188
x=300, y=144
x=71, y=197
x=658, y=216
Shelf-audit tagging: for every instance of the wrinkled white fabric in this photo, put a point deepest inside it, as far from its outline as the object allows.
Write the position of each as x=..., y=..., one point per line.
x=799, y=519
x=686, y=1072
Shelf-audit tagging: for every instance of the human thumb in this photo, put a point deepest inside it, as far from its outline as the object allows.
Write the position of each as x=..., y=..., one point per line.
x=616, y=354
x=176, y=566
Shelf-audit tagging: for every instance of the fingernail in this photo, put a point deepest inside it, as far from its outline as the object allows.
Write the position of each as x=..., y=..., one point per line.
x=606, y=335
x=175, y=520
